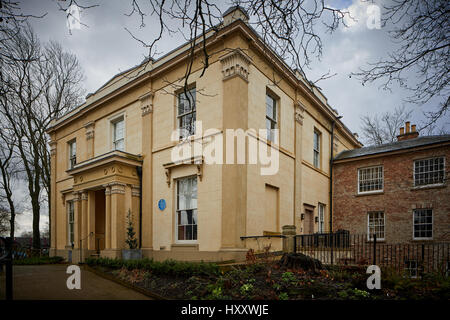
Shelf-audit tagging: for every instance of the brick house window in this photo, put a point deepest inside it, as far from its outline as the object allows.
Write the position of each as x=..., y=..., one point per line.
x=375, y=225
x=423, y=223
x=70, y=223
x=187, y=209
x=316, y=149
x=321, y=218
x=370, y=179
x=118, y=126
x=411, y=268
x=72, y=153
x=271, y=117
x=186, y=113
x=429, y=171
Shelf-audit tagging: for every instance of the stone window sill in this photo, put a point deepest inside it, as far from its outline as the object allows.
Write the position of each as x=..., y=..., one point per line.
x=369, y=194
x=431, y=186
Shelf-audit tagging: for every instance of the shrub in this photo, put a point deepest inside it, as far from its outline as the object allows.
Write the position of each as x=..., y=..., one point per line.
x=167, y=267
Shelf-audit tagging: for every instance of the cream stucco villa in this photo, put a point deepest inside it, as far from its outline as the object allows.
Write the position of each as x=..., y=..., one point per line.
x=114, y=154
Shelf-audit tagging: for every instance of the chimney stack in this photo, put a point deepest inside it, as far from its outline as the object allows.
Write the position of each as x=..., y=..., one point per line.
x=410, y=132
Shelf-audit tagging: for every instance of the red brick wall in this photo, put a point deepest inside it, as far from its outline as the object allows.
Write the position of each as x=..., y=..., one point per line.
x=398, y=199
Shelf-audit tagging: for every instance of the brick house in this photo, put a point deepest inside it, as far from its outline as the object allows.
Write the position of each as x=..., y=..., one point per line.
x=398, y=190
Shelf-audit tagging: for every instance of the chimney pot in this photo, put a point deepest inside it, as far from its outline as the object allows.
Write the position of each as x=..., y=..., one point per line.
x=407, y=126
x=402, y=130
x=413, y=128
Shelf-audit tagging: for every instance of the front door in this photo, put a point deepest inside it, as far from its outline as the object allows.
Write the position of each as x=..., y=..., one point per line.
x=100, y=201
x=308, y=223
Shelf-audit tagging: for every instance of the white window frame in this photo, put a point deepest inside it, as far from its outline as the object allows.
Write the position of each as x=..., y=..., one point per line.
x=430, y=184
x=321, y=216
x=70, y=205
x=369, y=234
x=71, y=157
x=176, y=211
x=317, y=151
x=113, y=121
x=409, y=269
x=190, y=112
x=382, y=180
x=432, y=225
x=271, y=135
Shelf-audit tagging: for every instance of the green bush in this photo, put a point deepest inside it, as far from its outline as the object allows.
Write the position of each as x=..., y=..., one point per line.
x=167, y=267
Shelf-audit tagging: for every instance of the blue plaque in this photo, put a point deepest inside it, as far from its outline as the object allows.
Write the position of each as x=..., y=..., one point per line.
x=161, y=204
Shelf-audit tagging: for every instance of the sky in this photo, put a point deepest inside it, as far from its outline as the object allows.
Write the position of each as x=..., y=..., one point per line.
x=104, y=48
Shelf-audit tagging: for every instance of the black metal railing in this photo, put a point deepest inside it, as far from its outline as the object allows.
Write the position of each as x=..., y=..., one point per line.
x=343, y=248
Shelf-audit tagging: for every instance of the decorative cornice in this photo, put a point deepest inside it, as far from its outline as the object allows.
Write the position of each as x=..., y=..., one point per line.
x=146, y=103
x=235, y=63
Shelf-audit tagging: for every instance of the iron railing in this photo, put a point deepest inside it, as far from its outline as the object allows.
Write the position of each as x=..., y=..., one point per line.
x=343, y=248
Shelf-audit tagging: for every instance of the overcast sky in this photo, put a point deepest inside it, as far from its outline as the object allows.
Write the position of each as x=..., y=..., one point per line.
x=104, y=48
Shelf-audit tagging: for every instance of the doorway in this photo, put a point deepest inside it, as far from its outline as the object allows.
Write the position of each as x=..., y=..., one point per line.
x=100, y=220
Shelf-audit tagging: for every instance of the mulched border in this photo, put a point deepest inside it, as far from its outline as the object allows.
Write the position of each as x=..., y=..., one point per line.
x=110, y=277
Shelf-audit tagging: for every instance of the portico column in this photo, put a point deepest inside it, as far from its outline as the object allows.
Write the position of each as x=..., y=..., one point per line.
x=108, y=217
x=77, y=219
x=84, y=208
x=117, y=215
x=91, y=220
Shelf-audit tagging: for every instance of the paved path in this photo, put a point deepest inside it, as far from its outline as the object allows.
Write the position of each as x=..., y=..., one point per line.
x=48, y=282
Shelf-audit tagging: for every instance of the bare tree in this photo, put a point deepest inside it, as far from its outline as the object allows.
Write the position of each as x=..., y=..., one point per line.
x=41, y=82
x=9, y=169
x=384, y=128
x=421, y=29
x=4, y=221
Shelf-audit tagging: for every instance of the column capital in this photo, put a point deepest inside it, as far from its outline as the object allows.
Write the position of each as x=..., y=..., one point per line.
x=235, y=63
x=90, y=130
x=146, y=103
x=135, y=191
x=117, y=188
x=76, y=196
x=52, y=144
x=299, y=112
x=84, y=195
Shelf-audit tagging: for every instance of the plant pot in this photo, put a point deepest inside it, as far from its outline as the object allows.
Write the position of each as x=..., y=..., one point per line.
x=131, y=254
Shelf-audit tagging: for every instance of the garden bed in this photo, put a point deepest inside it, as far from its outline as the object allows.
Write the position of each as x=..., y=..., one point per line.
x=266, y=280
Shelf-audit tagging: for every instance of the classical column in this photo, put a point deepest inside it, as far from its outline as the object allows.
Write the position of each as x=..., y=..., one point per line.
x=135, y=199
x=91, y=220
x=77, y=219
x=235, y=71
x=108, y=217
x=298, y=201
x=147, y=182
x=52, y=200
x=84, y=224
x=117, y=215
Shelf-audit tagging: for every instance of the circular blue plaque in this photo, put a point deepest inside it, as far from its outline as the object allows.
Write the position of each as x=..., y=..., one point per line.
x=161, y=204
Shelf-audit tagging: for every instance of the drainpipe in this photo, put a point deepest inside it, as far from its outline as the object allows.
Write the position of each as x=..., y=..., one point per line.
x=139, y=173
x=331, y=172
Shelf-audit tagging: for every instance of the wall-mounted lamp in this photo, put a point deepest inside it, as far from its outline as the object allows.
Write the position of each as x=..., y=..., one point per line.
x=302, y=216
x=316, y=219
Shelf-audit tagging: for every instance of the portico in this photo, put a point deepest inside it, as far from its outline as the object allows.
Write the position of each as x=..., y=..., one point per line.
x=105, y=188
